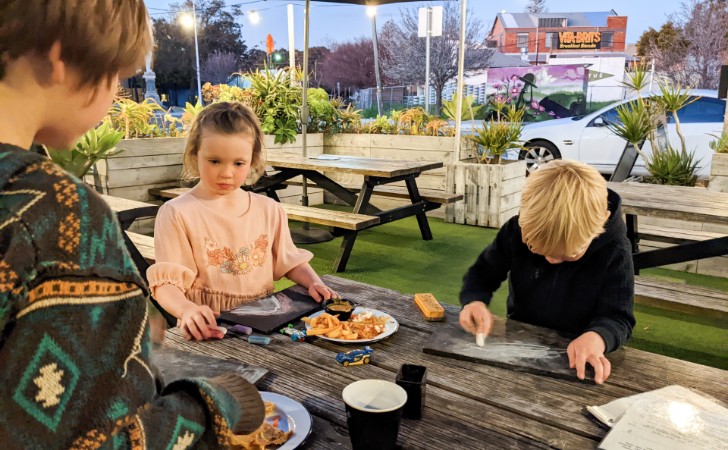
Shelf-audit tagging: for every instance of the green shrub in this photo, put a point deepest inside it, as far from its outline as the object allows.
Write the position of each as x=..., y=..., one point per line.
x=673, y=167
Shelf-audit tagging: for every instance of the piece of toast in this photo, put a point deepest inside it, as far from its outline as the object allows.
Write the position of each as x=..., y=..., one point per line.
x=430, y=308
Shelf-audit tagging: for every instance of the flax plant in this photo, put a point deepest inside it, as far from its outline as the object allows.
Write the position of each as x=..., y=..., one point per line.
x=496, y=137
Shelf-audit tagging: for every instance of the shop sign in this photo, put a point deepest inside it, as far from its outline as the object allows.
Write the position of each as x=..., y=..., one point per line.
x=579, y=40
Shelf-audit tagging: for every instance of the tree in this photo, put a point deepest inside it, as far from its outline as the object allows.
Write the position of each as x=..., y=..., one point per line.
x=402, y=53
x=536, y=6
x=217, y=68
x=174, y=59
x=691, y=46
x=667, y=47
x=350, y=63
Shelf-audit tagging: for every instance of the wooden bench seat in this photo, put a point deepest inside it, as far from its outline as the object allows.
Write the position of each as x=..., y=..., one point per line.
x=310, y=214
x=168, y=192
x=681, y=297
x=320, y=216
x=143, y=243
x=430, y=195
x=674, y=235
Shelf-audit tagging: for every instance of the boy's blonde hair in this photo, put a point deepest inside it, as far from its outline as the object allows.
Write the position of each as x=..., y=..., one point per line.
x=563, y=207
x=224, y=118
x=99, y=38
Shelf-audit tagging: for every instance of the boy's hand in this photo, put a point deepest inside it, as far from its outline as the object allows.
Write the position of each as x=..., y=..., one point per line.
x=475, y=318
x=589, y=348
x=321, y=292
x=198, y=323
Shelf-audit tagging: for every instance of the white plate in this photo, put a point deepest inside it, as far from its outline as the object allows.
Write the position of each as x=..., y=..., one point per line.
x=390, y=327
x=293, y=416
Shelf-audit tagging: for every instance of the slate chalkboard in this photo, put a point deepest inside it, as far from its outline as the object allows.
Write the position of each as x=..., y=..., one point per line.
x=175, y=364
x=273, y=312
x=511, y=344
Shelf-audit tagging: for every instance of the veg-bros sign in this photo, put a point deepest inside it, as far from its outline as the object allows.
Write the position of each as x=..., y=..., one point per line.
x=579, y=40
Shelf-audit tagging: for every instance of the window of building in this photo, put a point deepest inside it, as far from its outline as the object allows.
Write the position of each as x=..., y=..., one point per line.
x=607, y=39
x=522, y=40
x=551, y=22
x=552, y=40
x=491, y=43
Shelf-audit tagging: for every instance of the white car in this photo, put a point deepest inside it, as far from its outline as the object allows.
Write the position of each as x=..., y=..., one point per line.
x=588, y=139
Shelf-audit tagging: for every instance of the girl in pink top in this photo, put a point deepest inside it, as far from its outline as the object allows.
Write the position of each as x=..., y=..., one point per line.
x=218, y=246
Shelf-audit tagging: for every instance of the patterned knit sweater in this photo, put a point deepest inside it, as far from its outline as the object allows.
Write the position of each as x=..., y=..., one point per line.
x=74, y=336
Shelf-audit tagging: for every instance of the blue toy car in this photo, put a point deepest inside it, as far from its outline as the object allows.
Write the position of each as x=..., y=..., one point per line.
x=354, y=357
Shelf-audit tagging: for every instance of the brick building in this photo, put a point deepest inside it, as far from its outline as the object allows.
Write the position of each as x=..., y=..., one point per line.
x=538, y=37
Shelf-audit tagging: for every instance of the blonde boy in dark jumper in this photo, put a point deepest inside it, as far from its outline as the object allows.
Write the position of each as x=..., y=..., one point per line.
x=74, y=332
x=568, y=263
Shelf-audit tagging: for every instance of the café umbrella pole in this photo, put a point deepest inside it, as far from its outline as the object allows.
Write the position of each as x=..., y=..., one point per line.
x=306, y=234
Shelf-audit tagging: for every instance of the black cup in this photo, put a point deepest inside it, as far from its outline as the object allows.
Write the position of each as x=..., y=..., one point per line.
x=373, y=413
x=413, y=379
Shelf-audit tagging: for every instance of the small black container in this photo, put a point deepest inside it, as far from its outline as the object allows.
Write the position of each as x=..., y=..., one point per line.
x=413, y=379
x=340, y=307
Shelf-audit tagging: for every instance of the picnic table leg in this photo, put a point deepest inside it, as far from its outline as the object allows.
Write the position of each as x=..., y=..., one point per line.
x=347, y=244
x=633, y=236
x=421, y=217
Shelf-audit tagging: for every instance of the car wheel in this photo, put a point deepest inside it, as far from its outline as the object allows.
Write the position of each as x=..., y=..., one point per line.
x=538, y=153
x=346, y=363
x=366, y=360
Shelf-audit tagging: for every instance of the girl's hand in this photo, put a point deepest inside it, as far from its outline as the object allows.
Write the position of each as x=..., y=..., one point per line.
x=589, y=348
x=198, y=323
x=475, y=318
x=321, y=292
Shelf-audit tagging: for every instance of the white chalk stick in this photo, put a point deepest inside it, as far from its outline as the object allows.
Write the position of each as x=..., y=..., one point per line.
x=480, y=339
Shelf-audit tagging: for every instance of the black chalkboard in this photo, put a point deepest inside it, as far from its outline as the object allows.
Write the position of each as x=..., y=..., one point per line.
x=511, y=344
x=273, y=312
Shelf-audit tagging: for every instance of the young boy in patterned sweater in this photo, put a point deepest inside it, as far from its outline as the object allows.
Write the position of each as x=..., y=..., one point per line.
x=74, y=332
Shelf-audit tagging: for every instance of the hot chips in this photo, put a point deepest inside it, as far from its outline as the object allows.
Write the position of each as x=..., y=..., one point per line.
x=359, y=326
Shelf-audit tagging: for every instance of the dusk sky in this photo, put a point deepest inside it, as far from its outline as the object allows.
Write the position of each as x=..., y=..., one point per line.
x=332, y=22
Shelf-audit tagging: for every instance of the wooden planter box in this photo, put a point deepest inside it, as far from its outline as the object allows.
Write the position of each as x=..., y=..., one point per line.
x=389, y=146
x=719, y=173
x=157, y=162
x=492, y=192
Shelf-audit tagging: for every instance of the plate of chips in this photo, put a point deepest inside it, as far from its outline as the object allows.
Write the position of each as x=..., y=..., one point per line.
x=366, y=325
x=287, y=425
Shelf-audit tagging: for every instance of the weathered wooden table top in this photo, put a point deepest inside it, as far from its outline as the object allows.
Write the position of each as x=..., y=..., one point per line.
x=673, y=202
x=468, y=405
x=125, y=205
x=375, y=167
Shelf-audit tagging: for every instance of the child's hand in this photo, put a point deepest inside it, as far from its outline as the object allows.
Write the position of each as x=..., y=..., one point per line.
x=475, y=318
x=589, y=348
x=321, y=292
x=198, y=323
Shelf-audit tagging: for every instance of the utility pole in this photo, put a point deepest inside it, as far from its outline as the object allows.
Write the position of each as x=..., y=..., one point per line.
x=427, y=60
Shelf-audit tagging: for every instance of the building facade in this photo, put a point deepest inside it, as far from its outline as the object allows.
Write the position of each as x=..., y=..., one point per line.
x=540, y=37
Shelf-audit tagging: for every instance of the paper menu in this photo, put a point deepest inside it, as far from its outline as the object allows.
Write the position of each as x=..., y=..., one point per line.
x=672, y=418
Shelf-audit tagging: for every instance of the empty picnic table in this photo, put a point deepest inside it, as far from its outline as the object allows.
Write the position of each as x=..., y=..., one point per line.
x=468, y=405
x=673, y=202
x=377, y=172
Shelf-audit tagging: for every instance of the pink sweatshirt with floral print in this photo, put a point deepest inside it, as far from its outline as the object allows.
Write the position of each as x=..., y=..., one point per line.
x=218, y=260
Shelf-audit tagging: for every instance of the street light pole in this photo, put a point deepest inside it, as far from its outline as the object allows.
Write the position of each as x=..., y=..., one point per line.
x=185, y=21
x=372, y=11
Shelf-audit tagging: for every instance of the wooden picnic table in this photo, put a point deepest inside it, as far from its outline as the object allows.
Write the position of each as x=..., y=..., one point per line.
x=376, y=172
x=468, y=405
x=127, y=211
x=673, y=202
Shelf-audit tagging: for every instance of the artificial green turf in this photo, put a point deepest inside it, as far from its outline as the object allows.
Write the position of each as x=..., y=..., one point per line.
x=394, y=256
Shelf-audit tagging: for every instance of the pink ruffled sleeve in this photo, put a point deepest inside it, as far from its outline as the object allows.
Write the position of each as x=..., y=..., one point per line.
x=286, y=255
x=175, y=262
